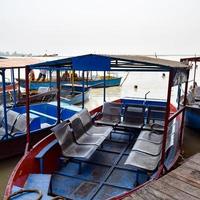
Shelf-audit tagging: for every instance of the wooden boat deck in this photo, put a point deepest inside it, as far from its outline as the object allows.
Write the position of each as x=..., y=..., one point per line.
x=181, y=183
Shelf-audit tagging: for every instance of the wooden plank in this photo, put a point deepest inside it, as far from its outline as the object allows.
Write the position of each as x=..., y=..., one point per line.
x=192, y=165
x=182, y=178
x=181, y=185
x=171, y=191
x=144, y=193
x=158, y=194
x=188, y=173
x=195, y=158
x=133, y=197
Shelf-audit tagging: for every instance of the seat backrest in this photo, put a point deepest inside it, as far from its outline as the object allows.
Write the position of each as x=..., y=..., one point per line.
x=20, y=124
x=64, y=135
x=85, y=118
x=77, y=126
x=134, y=113
x=11, y=118
x=156, y=113
x=111, y=111
x=43, y=89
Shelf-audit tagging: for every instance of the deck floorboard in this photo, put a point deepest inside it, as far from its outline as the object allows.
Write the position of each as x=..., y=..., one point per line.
x=181, y=183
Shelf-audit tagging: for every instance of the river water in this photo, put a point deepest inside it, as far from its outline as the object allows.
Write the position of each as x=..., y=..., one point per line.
x=156, y=83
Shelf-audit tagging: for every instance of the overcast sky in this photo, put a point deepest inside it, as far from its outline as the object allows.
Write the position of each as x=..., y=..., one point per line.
x=100, y=26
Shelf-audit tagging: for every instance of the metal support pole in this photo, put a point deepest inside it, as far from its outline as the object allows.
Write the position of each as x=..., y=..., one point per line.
x=50, y=78
x=179, y=96
x=104, y=86
x=166, y=121
x=27, y=70
x=183, y=114
x=195, y=69
x=4, y=102
x=83, y=89
x=13, y=82
x=58, y=95
x=19, y=84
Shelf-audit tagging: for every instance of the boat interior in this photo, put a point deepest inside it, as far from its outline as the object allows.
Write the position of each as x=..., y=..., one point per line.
x=42, y=115
x=112, y=150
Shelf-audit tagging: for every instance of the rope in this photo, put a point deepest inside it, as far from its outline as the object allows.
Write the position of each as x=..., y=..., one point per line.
x=26, y=191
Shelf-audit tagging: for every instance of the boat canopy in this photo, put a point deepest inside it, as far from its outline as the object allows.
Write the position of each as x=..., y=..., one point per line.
x=94, y=62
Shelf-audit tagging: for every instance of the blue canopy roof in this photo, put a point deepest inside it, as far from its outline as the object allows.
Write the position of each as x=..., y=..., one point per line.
x=94, y=62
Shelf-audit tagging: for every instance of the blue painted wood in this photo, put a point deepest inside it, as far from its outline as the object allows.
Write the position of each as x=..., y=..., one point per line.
x=40, y=182
x=87, y=63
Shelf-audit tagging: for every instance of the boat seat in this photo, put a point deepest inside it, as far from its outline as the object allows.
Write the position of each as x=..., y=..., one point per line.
x=142, y=160
x=152, y=136
x=11, y=119
x=70, y=148
x=111, y=114
x=146, y=154
x=90, y=128
x=133, y=117
x=155, y=118
x=147, y=147
x=81, y=135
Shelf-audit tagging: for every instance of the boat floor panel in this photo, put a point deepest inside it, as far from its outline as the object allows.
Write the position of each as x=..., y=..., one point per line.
x=90, y=172
x=78, y=189
x=102, y=176
x=107, y=192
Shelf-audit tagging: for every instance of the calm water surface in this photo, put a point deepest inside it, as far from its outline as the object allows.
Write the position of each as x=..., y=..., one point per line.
x=153, y=82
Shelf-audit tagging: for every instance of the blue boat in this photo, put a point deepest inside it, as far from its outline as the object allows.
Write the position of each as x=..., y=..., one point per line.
x=98, y=83
x=111, y=151
x=42, y=117
x=192, y=113
x=13, y=119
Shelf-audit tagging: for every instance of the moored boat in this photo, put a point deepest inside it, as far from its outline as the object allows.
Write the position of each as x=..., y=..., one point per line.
x=13, y=119
x=97, y=83
x=111, y=151
x=192, y=115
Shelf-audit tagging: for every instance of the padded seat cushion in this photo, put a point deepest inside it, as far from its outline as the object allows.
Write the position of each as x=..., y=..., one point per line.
x=143, y=160
x=100, y=130
x=150, y=136
x=147, y=147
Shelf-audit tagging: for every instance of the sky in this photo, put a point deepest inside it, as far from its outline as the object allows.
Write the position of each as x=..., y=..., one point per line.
x=100, y=26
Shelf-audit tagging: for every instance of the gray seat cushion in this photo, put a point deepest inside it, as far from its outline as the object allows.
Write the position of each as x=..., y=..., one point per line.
x=150, y=136
x=143, y=160
x=147, y=147
x=100, y=130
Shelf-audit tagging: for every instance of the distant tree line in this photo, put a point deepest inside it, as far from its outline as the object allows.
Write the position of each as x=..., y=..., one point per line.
x=15, y=53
